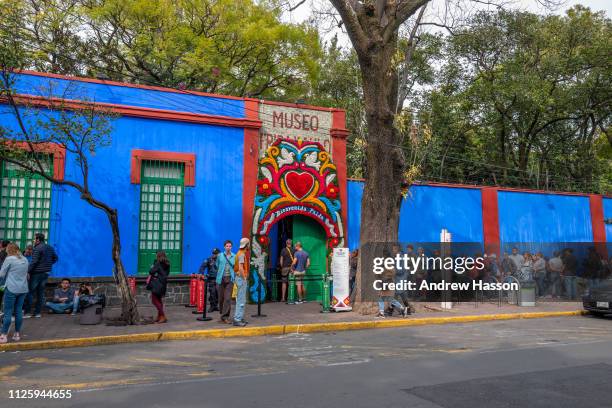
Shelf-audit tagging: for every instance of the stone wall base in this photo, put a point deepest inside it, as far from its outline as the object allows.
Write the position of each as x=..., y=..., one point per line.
x=177, y=292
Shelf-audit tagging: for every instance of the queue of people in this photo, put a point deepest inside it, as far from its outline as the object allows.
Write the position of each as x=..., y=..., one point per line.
x=561, y=275
x=23, y=277
x=224, y=270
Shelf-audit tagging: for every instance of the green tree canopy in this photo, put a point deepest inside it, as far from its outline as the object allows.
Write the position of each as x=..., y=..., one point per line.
x=524, y=100
x=236, y=47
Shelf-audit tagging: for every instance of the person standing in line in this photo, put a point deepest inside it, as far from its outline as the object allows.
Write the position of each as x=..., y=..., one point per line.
x=225, y=281
x=3, y=255
x=285, y=262
x=555, y=269
x=241, y=270
x=14, y=272
x=28, y=253
x=517, y=260
x=526, y=269
x=570, y=266
x=301, y=262
x=209, y=270
x=43, y=258
x=539, y=270
x=158, y=283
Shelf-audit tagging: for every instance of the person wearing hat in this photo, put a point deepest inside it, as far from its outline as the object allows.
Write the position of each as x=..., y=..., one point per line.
x=241, y=271
x=209, y=270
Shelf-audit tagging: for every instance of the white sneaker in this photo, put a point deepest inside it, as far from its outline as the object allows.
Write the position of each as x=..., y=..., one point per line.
x=38, y=316
x=381, y=315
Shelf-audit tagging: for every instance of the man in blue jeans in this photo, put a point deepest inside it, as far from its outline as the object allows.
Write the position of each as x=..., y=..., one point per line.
x=65, y=300
x=43, y=258
x=241, y=270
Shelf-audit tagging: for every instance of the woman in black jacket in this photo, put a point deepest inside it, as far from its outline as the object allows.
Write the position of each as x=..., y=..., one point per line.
x=158, y=280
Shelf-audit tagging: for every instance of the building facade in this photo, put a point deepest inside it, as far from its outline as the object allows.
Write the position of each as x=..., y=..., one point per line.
x=188, y=170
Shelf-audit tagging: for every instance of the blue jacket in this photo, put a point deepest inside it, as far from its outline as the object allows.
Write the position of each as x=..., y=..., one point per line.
x=14, y=272
x=221, y=265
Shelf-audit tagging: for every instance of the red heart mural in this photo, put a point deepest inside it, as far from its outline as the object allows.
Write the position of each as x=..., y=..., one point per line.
x=299, y=184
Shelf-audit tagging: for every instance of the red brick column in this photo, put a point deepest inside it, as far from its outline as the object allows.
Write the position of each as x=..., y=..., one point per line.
x=339, y=133
x=490, y=220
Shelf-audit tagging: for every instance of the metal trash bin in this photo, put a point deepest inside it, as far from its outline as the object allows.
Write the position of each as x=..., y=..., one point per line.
x=91, y=315
x=527, y=294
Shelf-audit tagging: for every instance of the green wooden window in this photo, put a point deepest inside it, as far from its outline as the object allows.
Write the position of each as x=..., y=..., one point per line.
x=25, y=203
x=161, y=213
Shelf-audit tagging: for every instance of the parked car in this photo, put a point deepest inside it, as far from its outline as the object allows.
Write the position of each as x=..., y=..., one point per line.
x=598, y=300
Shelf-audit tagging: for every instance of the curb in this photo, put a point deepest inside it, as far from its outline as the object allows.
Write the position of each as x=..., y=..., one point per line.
x=280, y=329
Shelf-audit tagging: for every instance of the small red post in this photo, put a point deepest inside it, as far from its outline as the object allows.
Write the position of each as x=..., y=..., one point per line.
x=200, y=300
x=193, y=287
x=132, y=283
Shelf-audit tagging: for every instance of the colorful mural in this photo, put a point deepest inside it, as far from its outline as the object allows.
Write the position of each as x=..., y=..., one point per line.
x=295, y=178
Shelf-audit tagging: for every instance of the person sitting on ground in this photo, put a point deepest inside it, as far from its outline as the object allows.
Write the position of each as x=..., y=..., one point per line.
x=14, y=272
x=65, y=299
x=85, y=289
x=388, y=296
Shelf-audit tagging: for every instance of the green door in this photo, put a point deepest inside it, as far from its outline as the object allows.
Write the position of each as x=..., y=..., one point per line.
x=161, y=214
x=312, y=236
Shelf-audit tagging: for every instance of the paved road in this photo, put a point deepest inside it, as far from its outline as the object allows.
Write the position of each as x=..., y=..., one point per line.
x=560, y=362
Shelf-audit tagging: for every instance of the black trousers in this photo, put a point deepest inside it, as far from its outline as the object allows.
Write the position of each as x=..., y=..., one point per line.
x=213, y=295
x=225, y=297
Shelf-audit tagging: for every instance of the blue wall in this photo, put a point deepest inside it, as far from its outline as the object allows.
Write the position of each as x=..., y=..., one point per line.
x=212, y=211
x=607, y=207
x=425, y=212
x=72, y=89
x=213, y=208
x=535, y=217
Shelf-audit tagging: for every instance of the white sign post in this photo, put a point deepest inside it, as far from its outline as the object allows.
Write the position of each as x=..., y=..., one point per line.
x=340, y=268
x=445, y=238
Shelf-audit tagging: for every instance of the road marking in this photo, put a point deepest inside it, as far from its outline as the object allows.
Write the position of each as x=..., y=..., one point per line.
x=156, y=384
x=367, y=360
x=6, y=371
x=206, y=357
x=102, y=384
x=170, y=362
x=555, y=344
x=77, y=363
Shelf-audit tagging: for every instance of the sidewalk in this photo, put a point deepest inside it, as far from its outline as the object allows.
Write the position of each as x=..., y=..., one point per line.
x=181, y=320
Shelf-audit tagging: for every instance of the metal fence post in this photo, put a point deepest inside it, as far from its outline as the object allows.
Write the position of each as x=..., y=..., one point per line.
x=291, y=290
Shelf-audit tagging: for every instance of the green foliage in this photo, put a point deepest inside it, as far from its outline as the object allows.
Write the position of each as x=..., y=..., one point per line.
x=236, y=47
x=524, y=100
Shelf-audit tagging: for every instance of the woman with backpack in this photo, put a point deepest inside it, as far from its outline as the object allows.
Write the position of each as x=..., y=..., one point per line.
x=14, y=274
x=157, y=283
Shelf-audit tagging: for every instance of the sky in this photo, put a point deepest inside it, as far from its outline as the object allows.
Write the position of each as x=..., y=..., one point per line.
x=304, y=11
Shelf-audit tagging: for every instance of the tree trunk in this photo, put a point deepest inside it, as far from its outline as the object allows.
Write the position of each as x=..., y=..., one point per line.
x=385, y=167
x=129, y=309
